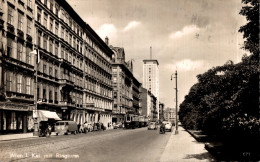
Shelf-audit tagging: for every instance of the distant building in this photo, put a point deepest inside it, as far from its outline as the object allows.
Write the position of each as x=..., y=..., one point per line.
x=151, y=78
x=149, y=105
x=169, y=114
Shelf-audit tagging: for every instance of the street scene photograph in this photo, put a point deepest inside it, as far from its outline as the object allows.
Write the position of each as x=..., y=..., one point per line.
x=129, y=80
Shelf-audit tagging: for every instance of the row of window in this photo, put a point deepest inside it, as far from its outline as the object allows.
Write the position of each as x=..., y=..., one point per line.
x=16, y=82
x=19, y=51
x=66, y=35
x=98, y=102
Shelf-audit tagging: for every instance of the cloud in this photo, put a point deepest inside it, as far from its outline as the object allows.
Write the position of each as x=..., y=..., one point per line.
x=107, y=30
x=185, y=31
x=131, y=25
x=188, y=65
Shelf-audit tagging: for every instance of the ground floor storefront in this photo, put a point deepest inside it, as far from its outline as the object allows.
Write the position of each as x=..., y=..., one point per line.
x=91, y=116
x=15, y=118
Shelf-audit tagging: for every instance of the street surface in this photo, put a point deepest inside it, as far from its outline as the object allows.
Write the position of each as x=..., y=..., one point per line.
x=111, y=145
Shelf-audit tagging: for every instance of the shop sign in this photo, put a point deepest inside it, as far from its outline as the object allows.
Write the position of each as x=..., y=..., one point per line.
x=12, y=106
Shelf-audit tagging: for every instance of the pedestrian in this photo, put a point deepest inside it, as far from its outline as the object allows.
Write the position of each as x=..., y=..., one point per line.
x=49, y=129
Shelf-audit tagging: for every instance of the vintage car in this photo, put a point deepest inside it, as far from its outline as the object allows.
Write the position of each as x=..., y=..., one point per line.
x=168, y=126
x=152, y=126
x=65, y=127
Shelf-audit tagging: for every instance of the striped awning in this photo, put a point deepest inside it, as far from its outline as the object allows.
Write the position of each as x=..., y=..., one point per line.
x=44, y=115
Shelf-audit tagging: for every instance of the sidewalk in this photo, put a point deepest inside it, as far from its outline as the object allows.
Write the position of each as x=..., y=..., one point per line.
x=183, y=147
x=16, y=136
x=8, y=137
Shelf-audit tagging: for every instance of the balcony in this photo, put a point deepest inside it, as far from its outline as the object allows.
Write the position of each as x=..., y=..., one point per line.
x=66, y=83
x=66, y=103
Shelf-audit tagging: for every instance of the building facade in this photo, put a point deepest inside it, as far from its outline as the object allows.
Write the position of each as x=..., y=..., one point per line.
x=151, y=79
x=16, y=66
x=148, y=101
x=73, y=71
x=126, y=88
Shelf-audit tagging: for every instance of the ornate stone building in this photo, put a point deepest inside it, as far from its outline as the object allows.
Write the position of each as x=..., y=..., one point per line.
x=74, y=70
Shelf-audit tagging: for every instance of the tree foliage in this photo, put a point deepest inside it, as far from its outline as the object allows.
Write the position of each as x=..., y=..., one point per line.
x=251, y=29
x=225, y=101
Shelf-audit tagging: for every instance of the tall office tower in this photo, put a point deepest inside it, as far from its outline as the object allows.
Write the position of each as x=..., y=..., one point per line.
x=151, y=78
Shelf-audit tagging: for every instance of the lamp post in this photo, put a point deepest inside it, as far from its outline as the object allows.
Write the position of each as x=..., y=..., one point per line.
x=176, y=90
x=36, y=130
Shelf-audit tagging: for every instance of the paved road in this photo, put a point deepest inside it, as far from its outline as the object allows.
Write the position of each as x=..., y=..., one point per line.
x=113, y=145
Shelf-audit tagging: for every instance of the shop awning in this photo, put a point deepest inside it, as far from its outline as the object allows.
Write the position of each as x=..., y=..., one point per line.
x=44, y=115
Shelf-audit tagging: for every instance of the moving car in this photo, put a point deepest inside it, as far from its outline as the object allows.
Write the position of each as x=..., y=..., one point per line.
x=168, y=125
x=152, y=126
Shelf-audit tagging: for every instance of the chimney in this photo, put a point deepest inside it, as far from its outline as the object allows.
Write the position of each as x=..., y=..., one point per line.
x=106, y=40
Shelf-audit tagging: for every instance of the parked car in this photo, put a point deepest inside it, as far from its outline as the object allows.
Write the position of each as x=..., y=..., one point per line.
x=118, y=125
x=88, y=127
x=152, y=126
x=168, y=125
x=65, y=127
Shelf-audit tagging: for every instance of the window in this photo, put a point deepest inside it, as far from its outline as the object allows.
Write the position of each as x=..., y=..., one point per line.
x=28, y=55
x=62, y=32
x=19, y=51
x=56, y=73
x=39, y=15
x=50, y=70
x=19, y=83
x=57, y=9
x=56, y=95
x=45, y=68
x=39, y=38
x=50, y=96
x=29, y=28
x=45, y=2
x=66, y=35
x=20, y=21
x=9, y=47
x=9, y=78
x=56, y=28
x=45, y=20
x=10, y=18
x=51, y=46
x=70, y=39
x=62, y=52
x=28, y=85
x=56, y=48
x=51, y=24
x=45, y=42
x=51, y=5
x=29, y=3
x=44, y=92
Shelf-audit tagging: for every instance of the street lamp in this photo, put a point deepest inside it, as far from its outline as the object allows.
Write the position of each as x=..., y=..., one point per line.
x=176, y=89
x=37, y=60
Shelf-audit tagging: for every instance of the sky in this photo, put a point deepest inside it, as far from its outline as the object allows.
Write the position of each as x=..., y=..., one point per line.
x=190, y=36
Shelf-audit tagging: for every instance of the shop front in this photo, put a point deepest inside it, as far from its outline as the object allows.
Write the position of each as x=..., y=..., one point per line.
x=15, y=118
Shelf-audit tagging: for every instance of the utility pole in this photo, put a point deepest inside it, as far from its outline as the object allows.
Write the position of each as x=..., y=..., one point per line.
x=176, y=131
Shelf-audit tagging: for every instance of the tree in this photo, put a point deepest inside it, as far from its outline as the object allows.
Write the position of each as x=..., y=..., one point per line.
x=251, y=29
